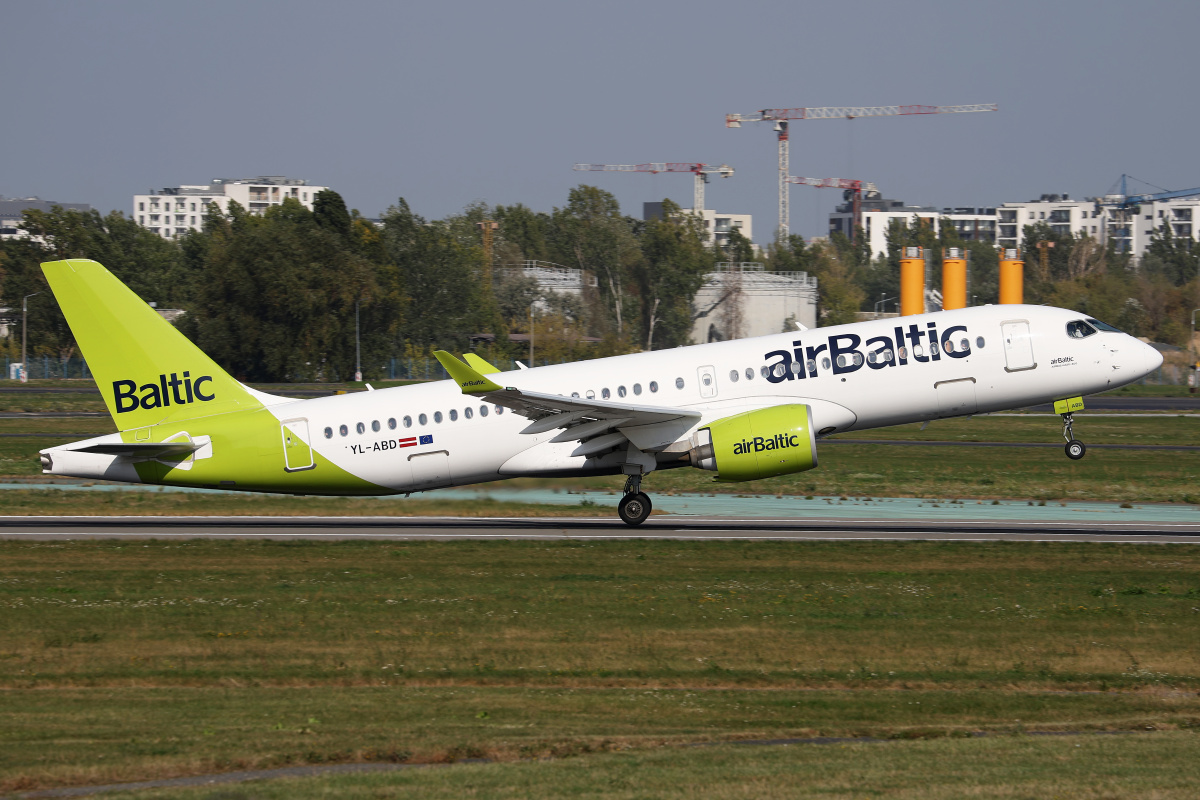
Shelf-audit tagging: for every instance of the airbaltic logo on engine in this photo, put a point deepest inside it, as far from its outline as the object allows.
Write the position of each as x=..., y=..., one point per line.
x=759, y=444
x=156, y=395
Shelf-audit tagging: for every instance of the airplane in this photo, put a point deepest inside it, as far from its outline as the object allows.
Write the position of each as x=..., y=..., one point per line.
x=743, y=409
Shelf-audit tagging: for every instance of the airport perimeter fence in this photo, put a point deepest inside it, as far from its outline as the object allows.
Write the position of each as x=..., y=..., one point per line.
x=428, y=369
x=50, y=368
x=47, y=368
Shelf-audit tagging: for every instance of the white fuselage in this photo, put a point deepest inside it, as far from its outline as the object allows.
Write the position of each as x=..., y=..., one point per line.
x=1015, y=356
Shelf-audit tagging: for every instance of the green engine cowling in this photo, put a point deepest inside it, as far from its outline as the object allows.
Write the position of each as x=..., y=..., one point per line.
x=757, y=444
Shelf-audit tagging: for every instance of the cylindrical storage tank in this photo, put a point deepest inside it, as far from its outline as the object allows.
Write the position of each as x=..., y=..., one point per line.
x=912, y=282
x=954, y=278
x=1012, y=277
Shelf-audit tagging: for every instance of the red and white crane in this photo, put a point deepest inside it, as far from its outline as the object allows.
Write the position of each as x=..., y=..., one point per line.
x=838, y=183
x=781, y=117
x=701, y=171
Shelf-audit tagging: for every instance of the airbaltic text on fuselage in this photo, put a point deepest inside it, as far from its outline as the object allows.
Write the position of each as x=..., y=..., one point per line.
x=760, y=444
x=844, y=353
x=179, y=391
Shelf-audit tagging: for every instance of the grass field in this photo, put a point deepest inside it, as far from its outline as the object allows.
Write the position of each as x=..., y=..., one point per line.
x=131, y=660
x=1158, y=766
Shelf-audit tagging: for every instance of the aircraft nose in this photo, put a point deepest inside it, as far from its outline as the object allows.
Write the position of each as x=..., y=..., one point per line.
x=1151, y=359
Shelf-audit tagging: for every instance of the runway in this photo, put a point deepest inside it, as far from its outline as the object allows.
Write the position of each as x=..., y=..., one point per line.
x=682, y=528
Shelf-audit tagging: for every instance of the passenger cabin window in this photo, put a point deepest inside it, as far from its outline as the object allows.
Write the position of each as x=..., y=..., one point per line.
x=329, y=433
x=407, y=421
x=453, y=415
x=749, y=373
x=621, y=391
x=733, y=376
x=343, y=430
x=653, y=387
x=637, y=388
x=483, y=411
x=1078, y=329
x=422, y=419
x=468, y=413
x=679, y=383
x=361, y=428
x=605, y=394
x=375, y=425
x=437, y=416
x=392, y=424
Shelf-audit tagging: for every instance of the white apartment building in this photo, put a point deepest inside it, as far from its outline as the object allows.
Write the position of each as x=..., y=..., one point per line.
x=1130, y=230
x=717, y=225
x=172, y=211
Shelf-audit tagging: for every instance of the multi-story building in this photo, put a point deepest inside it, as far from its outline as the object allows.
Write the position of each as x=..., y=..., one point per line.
x=12, y=209
x=877, y=214
x=1129, y=230
x=172, y=211
x=717, y=225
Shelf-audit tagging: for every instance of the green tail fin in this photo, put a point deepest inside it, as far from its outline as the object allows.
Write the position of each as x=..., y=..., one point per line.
x=147, y=372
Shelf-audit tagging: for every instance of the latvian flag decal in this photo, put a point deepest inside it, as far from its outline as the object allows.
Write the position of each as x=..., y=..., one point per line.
x=409, y=442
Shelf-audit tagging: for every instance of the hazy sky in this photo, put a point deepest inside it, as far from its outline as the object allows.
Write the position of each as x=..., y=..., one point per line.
x=449, y=103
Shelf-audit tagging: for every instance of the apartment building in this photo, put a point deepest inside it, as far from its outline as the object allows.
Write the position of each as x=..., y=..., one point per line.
x=172, y=211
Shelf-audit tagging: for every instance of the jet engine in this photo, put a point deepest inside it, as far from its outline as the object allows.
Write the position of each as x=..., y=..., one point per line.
x=757, y=444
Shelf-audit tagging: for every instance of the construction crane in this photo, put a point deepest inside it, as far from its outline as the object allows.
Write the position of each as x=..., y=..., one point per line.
x=782, y=116
x=701, y=171
x=849, y=185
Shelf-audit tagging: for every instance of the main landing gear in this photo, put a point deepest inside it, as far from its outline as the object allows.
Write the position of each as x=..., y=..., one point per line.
x=1075, y=448
x=635, y=505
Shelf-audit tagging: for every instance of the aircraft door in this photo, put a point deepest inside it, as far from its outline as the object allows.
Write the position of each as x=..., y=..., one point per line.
x=297, y=452
x=430, y=470
x=956, y=398
x=708, y=381
x=1018, y=346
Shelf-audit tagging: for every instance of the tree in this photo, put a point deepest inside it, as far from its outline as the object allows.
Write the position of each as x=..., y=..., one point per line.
x=440, y=278
x=278, y=295
x=590, y=234
x=738, y=248
x=152, y=267
x=671, y=271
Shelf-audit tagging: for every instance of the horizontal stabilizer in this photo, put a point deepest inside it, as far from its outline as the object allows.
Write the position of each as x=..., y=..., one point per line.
x=141, y=449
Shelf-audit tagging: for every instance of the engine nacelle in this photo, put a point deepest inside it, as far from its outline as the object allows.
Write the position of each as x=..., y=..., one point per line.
x=757, y=444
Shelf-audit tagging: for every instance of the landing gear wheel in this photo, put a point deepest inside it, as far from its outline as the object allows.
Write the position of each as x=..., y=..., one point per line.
x=634, y=508
x=1076, y=449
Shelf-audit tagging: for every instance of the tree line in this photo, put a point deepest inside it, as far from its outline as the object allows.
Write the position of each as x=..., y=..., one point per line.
x=276, y=296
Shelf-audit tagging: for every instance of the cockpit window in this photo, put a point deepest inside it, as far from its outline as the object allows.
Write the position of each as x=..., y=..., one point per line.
x=1104, y=326
x=1078, y=329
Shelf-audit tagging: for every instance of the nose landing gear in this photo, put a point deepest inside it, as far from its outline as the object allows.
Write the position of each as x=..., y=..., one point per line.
x=1075, y=449
x=635, y=506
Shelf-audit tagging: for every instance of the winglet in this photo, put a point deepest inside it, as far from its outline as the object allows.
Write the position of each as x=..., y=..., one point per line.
x=470, y=381
x=481, y=366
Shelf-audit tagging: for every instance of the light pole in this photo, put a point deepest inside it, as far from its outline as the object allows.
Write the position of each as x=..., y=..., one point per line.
x=532, y=363
x=357, y=349
x=24, y=329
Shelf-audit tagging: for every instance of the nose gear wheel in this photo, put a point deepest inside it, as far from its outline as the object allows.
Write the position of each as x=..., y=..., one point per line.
x=1075, y=449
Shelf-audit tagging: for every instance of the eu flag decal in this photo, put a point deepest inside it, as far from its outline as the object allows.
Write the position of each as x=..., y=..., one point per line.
x=426, y=440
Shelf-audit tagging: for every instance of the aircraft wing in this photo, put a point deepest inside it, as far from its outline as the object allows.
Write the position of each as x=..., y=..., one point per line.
x=598, y=424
